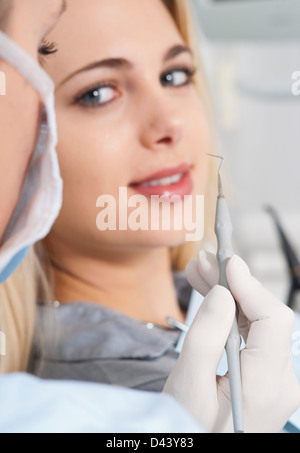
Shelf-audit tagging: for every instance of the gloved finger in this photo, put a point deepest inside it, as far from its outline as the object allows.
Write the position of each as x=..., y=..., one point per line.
x=208, y=268
x=209, y=331
x=204, y=346
x=193, y=380
x=244, y=325
x=271, y=321
x=208, y=272
x=194, y=278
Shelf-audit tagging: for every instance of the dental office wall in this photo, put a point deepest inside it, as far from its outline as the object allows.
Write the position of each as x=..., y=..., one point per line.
x=258, y=120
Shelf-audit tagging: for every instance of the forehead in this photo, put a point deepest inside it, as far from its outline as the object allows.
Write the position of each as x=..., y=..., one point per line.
x=99, y=29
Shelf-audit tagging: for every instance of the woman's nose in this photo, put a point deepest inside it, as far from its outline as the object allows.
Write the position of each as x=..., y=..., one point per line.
x=163, y=124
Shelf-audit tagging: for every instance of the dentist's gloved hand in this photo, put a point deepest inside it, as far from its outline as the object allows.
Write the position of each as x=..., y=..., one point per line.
x=271, y=393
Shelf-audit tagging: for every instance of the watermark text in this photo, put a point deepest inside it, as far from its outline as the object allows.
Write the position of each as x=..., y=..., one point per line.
x=155, y=213
x=296, y=83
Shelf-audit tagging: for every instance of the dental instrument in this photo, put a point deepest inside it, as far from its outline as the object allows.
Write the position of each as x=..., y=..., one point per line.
x=223, y=230
x=177, y=324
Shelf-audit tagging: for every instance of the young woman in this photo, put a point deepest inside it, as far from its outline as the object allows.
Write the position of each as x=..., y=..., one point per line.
x=128, y=107
x=130, y=114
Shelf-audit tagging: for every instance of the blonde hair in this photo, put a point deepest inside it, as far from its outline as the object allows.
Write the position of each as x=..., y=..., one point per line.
x=30, y=283
x=18, y=300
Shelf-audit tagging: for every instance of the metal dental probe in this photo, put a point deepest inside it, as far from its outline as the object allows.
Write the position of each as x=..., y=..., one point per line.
x=223, y=230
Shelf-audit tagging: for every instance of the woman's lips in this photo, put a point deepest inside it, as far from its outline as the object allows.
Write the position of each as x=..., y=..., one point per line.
x=168, y=182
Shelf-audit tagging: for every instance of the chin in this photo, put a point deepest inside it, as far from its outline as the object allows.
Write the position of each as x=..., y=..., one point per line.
x=155, y=239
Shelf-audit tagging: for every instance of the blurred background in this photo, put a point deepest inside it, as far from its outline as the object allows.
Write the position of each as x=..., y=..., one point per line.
x=252, y=51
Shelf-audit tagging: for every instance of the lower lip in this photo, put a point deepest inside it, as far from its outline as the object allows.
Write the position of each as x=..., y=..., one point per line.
x=182, y=188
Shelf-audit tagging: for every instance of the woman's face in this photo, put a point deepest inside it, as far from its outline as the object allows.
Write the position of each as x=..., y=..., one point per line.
x=26, y=22
x=127, y=109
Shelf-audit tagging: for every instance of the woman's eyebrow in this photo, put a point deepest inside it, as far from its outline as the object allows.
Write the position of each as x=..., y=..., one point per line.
x=177, y=50
x=119, y=63
x=107, y=63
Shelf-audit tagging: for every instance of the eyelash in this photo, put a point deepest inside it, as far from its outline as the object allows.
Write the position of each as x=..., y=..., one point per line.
x=78, y=98
x=188, y=71
x=48, y=48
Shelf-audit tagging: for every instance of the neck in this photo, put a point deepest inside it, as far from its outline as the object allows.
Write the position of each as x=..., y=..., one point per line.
x=140, y=286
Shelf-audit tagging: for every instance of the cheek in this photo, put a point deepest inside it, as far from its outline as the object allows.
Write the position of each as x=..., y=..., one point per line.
x=18, y=30
x=93, y=158
x=200, y=143
x=18, y=130
x=18, y=139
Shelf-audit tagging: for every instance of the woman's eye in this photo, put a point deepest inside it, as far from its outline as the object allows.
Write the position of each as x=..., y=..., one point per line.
x=98, y=96
x=177, y=78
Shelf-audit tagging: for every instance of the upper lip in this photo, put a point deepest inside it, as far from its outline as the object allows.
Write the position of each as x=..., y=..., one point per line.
x=165, y=173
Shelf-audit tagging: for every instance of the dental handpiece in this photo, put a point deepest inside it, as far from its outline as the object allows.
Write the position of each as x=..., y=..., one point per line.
x=224, y=230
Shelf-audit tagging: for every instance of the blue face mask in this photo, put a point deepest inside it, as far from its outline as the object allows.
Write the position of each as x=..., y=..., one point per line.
x=13, y=265
x=41, y=197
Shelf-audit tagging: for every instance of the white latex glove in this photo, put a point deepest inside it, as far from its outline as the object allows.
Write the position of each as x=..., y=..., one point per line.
x=271, y=393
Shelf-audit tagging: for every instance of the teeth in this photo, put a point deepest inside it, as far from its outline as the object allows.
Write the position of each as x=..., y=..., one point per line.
x=164, y=181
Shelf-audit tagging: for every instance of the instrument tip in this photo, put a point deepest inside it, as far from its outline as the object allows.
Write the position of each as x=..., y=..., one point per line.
x=220, y=188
